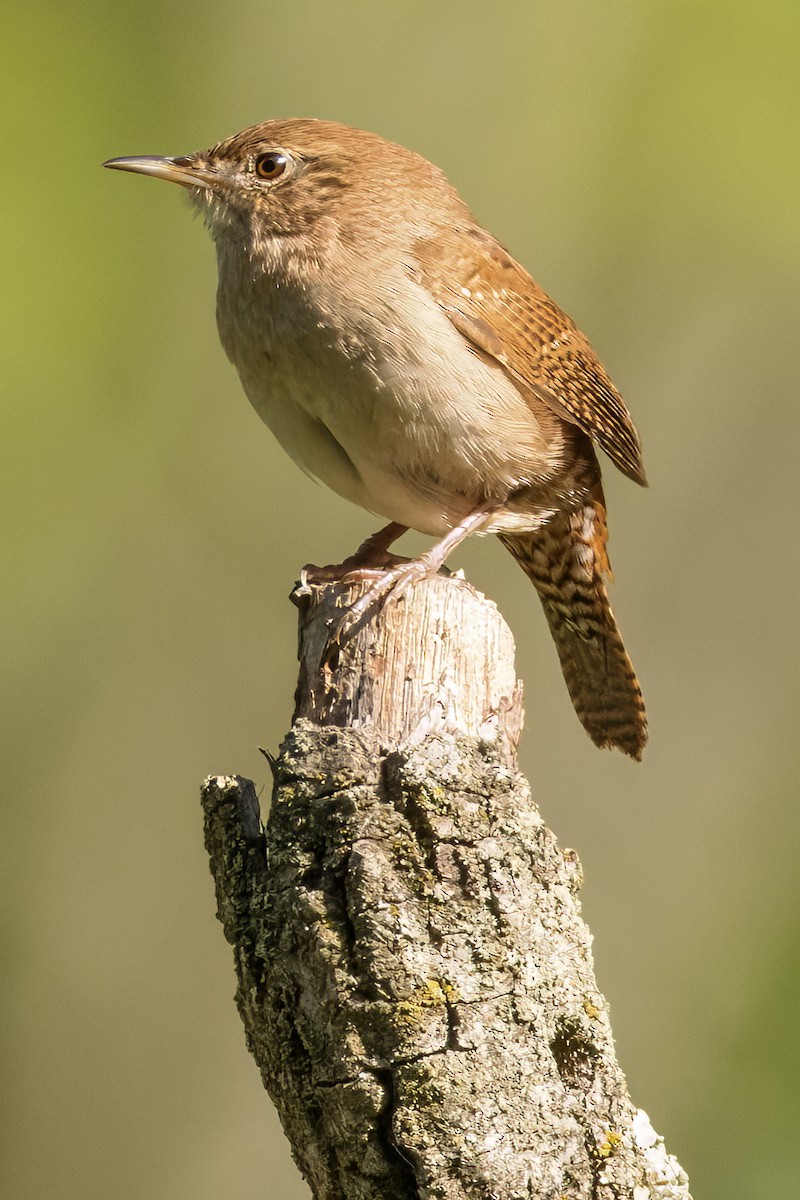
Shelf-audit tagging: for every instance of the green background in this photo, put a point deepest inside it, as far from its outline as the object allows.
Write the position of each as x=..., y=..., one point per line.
x=642, y=160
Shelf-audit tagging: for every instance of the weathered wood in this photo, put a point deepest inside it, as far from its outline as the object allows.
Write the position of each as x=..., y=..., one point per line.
x=415, y=979
x=441, y=658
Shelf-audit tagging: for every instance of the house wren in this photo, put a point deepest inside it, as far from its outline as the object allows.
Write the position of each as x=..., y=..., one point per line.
x=403, y=357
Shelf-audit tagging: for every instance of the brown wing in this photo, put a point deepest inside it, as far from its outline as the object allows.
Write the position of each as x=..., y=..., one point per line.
x=499, y=309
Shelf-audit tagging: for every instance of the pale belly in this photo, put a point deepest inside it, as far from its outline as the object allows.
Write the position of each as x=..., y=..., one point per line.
x=423, y=435
x=423, y=463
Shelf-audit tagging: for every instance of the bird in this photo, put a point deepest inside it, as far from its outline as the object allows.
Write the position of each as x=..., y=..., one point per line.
x=403, y=357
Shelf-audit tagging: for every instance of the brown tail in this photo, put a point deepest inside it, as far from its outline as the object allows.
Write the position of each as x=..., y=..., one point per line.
x=567, y=560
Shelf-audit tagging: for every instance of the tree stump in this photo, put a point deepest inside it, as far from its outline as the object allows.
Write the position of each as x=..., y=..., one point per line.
x=414, y=976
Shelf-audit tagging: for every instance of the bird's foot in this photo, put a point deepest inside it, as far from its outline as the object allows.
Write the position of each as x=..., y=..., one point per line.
x=386, y=586
x=388, y=574
x=392, y=583
x=370, y=562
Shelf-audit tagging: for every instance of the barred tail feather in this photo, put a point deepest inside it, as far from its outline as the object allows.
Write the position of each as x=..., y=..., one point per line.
x=566, y=561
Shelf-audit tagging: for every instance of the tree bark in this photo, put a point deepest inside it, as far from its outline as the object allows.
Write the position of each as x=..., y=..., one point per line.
x=414, y=976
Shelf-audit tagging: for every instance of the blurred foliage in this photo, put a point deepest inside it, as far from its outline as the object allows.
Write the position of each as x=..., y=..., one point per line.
x=642, y=160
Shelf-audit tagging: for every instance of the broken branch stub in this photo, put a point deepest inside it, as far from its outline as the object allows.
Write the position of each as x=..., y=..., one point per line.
x=414, y=976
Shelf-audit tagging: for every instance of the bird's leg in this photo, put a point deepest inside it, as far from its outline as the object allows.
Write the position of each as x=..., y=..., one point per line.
x=370, y=560
x=374, y=552
x=390, y=584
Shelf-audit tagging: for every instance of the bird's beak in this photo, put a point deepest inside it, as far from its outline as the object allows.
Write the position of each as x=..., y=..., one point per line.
x=188, y=172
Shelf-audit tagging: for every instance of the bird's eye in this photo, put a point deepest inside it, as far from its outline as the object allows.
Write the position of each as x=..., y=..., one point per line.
x=271, y=165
